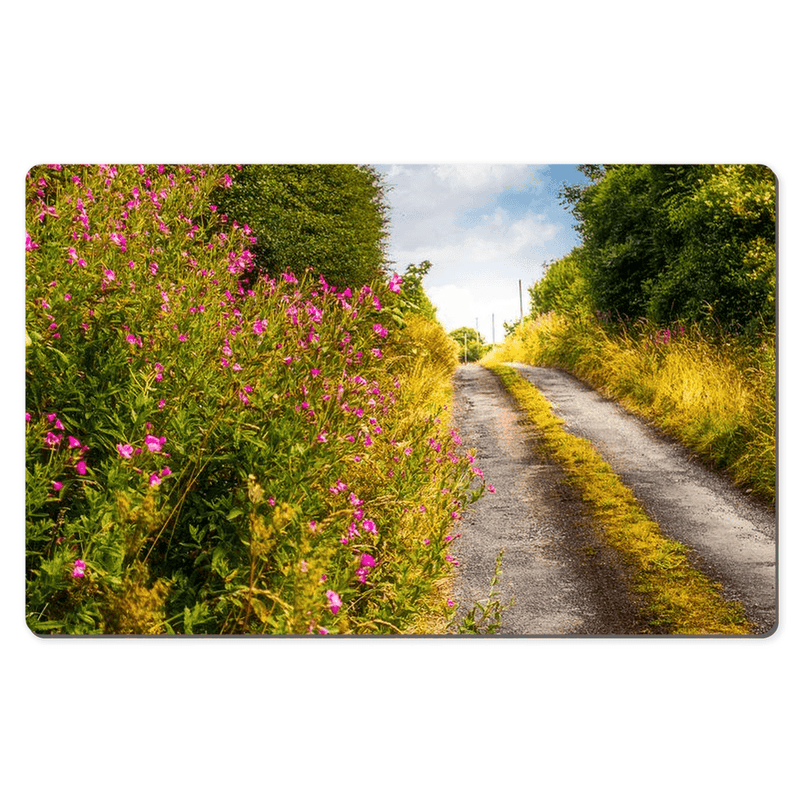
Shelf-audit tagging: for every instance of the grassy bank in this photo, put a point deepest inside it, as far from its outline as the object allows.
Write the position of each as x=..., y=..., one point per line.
x=715, y=393
x=679, y=599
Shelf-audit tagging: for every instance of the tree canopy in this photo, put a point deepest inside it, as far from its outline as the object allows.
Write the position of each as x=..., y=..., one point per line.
x=330, y=217
x=669, y=242
x=470, y=340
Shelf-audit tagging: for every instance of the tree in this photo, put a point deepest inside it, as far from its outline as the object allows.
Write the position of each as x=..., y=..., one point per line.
x=470, y=340
x=670, y=242
x=722, y=263
x=562, y=289
x=414, y=295
x=330, y=217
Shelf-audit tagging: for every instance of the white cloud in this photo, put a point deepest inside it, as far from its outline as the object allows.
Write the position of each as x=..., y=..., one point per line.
x=480, y=241
x=482, y=178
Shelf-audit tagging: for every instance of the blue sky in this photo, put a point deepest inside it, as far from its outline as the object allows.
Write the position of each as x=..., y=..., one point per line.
x=484, y=227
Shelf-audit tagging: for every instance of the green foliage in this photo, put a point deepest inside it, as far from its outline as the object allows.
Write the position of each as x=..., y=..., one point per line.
x=414, y=297
x=471, y=346
x=724, y=268
x=331, y=217
x=562, y=289
x=487, y=617
x=214, y=450
x=675, y=242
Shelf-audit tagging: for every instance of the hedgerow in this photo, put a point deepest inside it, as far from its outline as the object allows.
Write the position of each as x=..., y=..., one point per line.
x=209, y=449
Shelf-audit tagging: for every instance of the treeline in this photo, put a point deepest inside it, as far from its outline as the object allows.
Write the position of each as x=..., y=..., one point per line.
x=669, y=243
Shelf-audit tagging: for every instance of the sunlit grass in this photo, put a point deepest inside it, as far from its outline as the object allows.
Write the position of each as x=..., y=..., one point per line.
x=717, y=395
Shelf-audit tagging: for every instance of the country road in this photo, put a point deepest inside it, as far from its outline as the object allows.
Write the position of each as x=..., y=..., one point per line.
x=563, y=577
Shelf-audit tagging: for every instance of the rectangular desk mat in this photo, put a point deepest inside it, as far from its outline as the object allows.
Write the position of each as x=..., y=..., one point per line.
x=502, y=400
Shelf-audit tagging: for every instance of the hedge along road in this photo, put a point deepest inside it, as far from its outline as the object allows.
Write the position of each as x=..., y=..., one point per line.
x=563, y=577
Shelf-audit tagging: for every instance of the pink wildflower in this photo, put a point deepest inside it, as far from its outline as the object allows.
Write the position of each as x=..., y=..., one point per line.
x=125, y=450
x=78, y=568
x=80, y=468
x=154, y=443
x=119, y=239
x=334, y=600
x=58, y=486
x=73, y=442
x=369, y=526
x=394, y=283
x=154, y=480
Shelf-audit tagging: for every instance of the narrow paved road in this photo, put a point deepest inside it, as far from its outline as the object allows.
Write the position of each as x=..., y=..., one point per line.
x=563, y=578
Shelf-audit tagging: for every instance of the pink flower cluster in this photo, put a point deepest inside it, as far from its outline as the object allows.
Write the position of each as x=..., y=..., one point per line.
x=153, y=444
x=54, y=439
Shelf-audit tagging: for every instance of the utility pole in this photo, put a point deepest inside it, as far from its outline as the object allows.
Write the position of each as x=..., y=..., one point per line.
x=520, y=301
x=465, y=347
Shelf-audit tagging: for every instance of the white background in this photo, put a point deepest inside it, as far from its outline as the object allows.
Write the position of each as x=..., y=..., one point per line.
x=417, y=82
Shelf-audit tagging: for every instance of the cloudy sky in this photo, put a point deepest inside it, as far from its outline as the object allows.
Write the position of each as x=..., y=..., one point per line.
x=484, y=227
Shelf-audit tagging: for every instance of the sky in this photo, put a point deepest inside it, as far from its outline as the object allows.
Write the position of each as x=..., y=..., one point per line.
x=483, y=227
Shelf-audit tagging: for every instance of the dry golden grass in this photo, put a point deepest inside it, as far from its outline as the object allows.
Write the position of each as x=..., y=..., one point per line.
x=716, y=396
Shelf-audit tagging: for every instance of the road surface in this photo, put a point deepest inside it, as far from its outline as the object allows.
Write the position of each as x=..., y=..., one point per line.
x=564, y=579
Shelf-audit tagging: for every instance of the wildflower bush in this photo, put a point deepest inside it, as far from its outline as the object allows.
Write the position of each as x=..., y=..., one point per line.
x=212, y=450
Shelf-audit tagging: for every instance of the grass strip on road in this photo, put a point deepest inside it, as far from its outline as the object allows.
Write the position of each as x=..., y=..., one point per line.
x=680, y=599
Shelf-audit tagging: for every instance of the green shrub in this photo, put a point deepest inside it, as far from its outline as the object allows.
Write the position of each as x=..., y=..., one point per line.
x=330, y=217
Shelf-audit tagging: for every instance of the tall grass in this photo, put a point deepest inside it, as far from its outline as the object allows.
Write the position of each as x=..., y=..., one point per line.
x=715, y=393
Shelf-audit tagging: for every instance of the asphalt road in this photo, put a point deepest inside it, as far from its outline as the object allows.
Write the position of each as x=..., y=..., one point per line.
x=562, y=576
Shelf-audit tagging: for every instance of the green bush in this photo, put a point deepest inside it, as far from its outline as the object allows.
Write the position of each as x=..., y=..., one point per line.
x=331, y=217
x=470, y=344
x=694, y=243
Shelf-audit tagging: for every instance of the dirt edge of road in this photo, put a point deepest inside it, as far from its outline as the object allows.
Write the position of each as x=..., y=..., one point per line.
x=680, y=598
